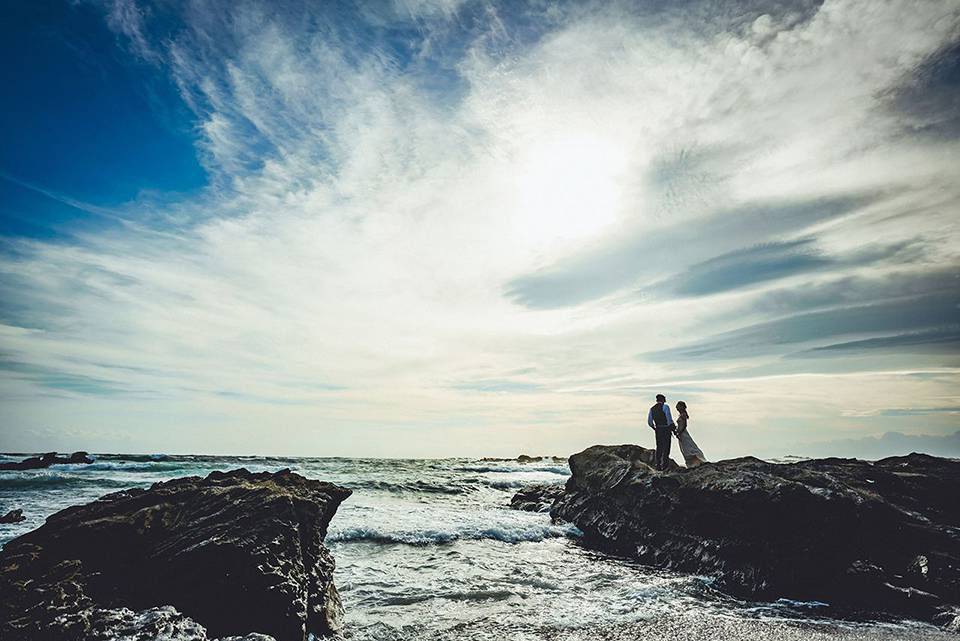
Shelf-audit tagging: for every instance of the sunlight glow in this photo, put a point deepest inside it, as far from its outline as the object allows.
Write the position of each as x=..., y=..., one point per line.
x=569, y=188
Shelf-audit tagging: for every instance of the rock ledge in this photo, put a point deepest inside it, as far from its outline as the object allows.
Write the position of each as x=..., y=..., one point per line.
x=236, y=553
x=878, y=537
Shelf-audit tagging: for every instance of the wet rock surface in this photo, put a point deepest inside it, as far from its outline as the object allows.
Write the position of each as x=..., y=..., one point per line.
x=536, y=498
x=874, y=537
x=48, y=459
x=13, y=516
x=232, y=554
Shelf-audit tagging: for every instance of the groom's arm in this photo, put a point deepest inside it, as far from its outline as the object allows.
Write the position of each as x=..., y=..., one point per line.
x=650, y=419
x=666, y=410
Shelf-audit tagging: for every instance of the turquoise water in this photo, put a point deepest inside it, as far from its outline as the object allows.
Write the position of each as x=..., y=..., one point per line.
x=427, y=549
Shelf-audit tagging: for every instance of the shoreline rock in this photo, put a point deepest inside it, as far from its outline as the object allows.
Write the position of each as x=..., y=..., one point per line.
x=13, y=516
x=536, y=498
x=234, y=553
x=48, y=459
x=872, y=537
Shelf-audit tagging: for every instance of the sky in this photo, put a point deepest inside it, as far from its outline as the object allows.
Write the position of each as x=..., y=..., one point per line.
x=418, y=228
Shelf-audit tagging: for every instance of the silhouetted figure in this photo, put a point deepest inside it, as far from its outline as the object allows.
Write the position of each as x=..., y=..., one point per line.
x=662, y=423
x=692, y=455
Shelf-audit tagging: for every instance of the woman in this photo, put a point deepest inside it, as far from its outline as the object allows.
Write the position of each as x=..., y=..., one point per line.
x=691, y=453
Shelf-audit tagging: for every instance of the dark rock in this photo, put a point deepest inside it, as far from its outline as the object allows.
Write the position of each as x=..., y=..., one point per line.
x=881, y=536
x=32, y=463
x=155, y=624
x=536, y=498
x=235, y=553
x=13, y=516
x=46, y=460
x=79, y=457
x=122, y=623
x=523, y=458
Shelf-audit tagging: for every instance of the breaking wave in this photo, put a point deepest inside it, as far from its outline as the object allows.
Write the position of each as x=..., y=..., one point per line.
x=34, y=481
x=507, y=534
x=512, y=469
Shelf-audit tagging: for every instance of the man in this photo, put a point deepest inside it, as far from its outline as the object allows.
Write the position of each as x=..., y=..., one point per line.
x=662, y=423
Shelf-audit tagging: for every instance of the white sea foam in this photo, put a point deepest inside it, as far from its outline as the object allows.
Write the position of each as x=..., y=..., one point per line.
x=515, y=468
x=430, y=544
x=427, y=536
x=514, y=483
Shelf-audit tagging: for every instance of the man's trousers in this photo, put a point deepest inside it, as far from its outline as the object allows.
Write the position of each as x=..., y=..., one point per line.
x=664, y=435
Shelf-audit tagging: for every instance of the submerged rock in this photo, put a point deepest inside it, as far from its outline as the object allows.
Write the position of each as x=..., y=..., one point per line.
x=13, y=516
x=46, y=460
x=881, y=536
x=236, y=553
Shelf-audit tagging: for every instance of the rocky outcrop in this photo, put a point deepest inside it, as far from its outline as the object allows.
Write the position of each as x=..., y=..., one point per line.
x=536, y=498
x=46, y=460
x=881, y=536
x=13, y=516
x=234, y=553
x=154, y=624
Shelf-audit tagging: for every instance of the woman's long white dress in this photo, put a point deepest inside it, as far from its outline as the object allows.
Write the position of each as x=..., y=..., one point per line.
x=692, y=455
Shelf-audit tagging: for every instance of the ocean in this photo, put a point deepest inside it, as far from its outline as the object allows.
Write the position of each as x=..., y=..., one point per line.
x=429, y=550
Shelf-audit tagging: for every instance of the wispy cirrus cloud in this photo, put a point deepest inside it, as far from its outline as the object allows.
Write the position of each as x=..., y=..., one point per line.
x=416, y=207
x=898, y=318
x=649, y=255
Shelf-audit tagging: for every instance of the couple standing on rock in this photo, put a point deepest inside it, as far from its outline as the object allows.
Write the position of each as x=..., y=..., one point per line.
x=662, y=423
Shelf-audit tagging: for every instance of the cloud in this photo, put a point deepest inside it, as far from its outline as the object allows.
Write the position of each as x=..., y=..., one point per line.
x=507, y=386
x=776, y=260
x=930, y=98
x=409, y=203
x=935, y=340
x=126, y=17
x=889, y=444
x=56, y=381
x=899, y=317
x=605, y=270
x=860, y=288
x=747, y=267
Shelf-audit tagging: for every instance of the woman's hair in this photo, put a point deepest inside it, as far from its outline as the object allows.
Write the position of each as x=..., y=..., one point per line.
x=682, y=406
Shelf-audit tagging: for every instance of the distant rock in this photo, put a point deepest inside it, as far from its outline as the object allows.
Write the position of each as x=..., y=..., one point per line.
x=234, y=553
x=536, y=498
x=46, y=460
x=13, y=516
x=523, y=458
x=881, y=536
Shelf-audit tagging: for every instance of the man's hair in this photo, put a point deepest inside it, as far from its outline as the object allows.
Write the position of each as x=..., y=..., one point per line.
x=661, y=397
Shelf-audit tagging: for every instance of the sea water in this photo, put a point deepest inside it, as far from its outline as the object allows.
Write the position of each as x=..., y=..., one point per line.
x=429, y=549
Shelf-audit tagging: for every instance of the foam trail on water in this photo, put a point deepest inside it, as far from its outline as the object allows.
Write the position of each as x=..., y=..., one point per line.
x=429, y=536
